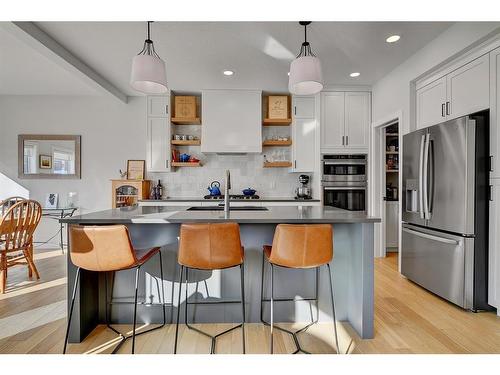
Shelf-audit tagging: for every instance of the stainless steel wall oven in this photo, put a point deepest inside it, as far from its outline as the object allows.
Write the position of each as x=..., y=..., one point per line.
x=344, y=181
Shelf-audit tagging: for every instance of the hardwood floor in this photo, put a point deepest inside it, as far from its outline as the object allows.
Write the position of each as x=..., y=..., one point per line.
x=408, y=319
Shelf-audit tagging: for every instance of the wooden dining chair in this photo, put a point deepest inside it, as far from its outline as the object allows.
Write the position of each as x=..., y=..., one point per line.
x=17, y=226
x=9, y=202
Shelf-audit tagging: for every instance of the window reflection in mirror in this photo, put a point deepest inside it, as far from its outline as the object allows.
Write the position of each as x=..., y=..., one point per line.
x=45, y=156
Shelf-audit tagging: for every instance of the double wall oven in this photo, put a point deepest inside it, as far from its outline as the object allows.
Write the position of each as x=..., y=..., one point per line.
x=344, y=181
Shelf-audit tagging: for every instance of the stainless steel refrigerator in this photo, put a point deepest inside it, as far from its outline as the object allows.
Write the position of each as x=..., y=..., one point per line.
x=445, y=210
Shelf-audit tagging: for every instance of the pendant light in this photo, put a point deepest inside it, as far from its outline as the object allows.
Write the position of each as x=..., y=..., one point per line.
x=148, y=69
x=305, y=71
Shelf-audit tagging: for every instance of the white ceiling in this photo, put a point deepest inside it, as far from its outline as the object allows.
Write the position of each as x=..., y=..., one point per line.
x=196, y=53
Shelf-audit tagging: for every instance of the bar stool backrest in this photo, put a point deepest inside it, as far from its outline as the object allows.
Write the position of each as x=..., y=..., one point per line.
x=101, y=248
x=18, y=224
x=210, y=246
x=302, y=246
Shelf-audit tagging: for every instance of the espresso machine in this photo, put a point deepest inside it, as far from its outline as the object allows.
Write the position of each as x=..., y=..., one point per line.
x=303, y=191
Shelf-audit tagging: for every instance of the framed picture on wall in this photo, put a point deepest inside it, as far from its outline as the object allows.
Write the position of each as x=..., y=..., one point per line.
x=45, y=162
x=135, y=169
x=51, y=200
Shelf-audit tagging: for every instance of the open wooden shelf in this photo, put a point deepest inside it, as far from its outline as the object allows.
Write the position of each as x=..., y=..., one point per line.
x=392, y=152
x=391, y=134
x=278, y=164
x=185, y=121
x=392, y=170
x=186, y=164
x=178, y=142
x=277, y=143
x=276, y=122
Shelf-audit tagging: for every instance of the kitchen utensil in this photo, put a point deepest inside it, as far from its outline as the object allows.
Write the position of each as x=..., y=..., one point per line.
x=184, y=158
x=214, y=188
x=249, y=191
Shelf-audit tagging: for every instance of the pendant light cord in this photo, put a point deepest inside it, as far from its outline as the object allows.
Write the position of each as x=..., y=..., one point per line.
x=149, y=31
x=305, y=33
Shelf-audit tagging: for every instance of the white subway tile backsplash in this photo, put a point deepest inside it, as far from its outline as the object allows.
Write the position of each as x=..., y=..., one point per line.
x=246, y=171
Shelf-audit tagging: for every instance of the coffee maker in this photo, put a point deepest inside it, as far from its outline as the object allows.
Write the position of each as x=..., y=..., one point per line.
x=303, y=191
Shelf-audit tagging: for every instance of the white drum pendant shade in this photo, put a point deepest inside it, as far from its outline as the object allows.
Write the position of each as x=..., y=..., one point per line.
x=306, y=77
x=148, y=74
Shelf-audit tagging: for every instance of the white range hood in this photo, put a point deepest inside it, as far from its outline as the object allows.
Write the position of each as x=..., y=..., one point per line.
x=232, y=121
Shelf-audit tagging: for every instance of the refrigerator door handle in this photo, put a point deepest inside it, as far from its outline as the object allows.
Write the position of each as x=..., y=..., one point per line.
x=420, y=174
x=431, y=237
x=425, y=182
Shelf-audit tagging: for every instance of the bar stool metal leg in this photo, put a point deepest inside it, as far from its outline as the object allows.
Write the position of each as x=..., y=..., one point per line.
x=333, y=309
x=77, y=278
x=134, y=333
x=135, y=307
x=292, y=333
x=272, y=306
x=242, y=271
x=213, y=338
x=178, y=311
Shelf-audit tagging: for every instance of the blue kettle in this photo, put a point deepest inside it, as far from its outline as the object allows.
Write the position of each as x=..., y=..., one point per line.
x=214, y=188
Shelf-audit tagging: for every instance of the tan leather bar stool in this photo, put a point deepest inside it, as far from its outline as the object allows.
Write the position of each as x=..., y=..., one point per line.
x=109, y=249
x=299, y=247
x=210, y=247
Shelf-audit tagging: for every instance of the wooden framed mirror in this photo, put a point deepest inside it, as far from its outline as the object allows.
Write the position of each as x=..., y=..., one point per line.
x=49, y=156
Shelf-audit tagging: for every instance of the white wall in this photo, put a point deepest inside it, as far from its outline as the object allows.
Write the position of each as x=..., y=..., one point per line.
x=392, y=93
x=112, y=132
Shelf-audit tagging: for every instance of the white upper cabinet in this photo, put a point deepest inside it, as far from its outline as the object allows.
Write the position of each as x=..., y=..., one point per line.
x=158, y=106
x=304, y=134
x=495, y=113
x=468, y=88
x=345, y=121
x=332, y=120
x=303, y=107
x=232, y=121
x=357, y=119
x=461, y=92
x=431, y=103
x=158, y=134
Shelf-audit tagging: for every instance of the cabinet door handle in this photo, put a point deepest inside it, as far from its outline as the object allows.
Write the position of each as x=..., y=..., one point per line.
x=442, y=110
x=166, y=109
x=295, y=164
x=346, y=140
x=490, y=193
x=447, y=108
x=166, y=163
x=295, y=110
x=343, y=137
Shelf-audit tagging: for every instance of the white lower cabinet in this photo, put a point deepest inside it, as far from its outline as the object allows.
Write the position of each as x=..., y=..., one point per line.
x=494, y=246
x=391, y=223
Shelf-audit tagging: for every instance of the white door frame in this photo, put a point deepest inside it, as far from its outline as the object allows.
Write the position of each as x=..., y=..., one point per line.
x=376, y=179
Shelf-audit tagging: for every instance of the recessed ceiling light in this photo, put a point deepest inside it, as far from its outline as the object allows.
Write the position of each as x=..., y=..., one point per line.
x=355, y=74
x=393, y=38
x=288, y=73
x=228, y=72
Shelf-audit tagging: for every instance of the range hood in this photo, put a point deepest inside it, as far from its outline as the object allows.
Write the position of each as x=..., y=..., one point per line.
x=232, y=121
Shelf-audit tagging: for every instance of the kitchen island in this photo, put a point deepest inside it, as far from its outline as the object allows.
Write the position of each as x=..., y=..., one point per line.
x=149, y=226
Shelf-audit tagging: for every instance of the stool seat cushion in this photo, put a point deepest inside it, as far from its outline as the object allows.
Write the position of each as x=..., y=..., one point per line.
x=105, y=248
x=301, y=246
x=210, y=246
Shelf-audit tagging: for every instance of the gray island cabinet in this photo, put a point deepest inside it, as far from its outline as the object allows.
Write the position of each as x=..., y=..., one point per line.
x=352, y=270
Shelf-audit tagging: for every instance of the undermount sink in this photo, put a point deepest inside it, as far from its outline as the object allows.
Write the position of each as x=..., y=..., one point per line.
x=221, y=208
